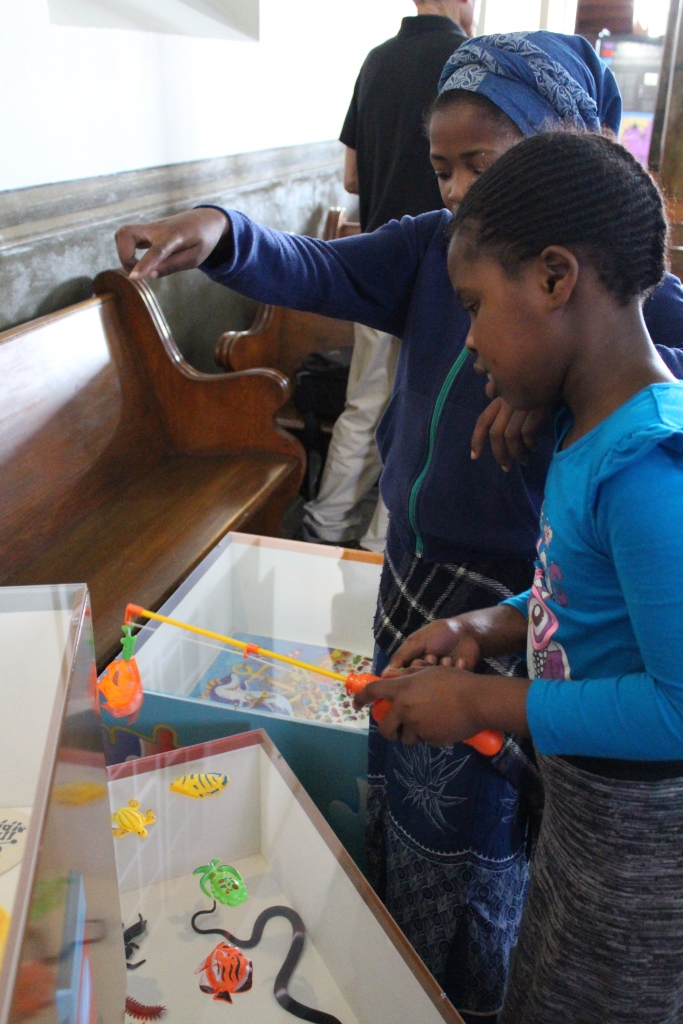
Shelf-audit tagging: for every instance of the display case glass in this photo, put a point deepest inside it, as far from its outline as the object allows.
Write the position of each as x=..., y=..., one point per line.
x=309, y=602
x=223, y=836
x=60, y=925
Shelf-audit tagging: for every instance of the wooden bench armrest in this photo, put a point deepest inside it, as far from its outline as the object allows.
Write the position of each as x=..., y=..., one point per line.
x=258, y=346
x=201, y=412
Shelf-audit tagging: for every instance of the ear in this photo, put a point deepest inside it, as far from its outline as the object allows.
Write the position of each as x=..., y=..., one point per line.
x=559, y=271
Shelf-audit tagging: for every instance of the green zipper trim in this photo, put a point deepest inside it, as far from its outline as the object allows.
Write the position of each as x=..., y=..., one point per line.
x=436, y=416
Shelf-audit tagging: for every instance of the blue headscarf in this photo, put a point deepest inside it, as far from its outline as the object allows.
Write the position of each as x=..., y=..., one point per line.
x=538, y=79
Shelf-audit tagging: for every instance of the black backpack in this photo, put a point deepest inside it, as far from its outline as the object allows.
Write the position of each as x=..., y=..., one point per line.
x=321, y=383
x=320, y=396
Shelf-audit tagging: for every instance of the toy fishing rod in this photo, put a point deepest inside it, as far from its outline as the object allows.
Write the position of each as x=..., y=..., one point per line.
x=487, y=742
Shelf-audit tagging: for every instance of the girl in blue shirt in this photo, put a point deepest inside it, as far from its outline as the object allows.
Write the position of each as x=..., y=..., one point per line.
x=553, y=252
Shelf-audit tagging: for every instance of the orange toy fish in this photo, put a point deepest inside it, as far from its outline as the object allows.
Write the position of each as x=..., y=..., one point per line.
x=227, y=970
x=120, y=684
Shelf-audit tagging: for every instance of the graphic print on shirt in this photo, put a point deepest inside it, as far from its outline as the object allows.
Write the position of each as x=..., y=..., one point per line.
x=546, y=659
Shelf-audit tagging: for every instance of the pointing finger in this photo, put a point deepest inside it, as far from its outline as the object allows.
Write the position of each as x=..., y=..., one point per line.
x=157, y=254
x=128, y=239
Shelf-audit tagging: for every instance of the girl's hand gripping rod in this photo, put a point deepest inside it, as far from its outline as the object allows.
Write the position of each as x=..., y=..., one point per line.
x=486, y=742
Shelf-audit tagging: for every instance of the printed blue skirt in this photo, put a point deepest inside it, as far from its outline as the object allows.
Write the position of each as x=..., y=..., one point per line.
x=447, y=830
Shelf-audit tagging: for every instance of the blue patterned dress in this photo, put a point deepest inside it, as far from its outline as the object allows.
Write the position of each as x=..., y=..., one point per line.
x=446, y=836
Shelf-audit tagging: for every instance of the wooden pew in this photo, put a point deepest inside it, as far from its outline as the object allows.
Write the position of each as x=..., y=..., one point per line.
x=282, y=338
x=121, y=465
x=337, y=224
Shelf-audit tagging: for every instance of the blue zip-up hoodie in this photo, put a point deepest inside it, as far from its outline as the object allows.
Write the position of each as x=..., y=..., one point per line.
x=443, y=505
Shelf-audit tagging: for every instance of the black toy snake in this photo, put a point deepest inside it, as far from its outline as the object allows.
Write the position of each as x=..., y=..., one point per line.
x=291, y=960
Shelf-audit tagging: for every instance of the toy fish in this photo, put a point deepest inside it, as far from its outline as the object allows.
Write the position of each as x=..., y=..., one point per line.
x=226, y=883
x=141, y=1012
x=120, y=684
x=225, y=971
x=131, y=819
x=74, y=794
x=284, y=975
x=4, y=928
x=200, y=785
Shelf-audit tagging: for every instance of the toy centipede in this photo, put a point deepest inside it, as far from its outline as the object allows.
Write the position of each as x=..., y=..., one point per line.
x=141, y=1012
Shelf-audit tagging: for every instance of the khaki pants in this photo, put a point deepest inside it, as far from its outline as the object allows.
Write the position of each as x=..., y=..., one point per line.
x=353, y=464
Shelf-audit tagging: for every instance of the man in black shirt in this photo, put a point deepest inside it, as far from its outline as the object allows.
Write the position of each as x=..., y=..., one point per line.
x=387, y=154
x=387, y=165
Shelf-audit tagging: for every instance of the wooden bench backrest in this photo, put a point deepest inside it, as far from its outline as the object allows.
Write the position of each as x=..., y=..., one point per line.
x=282, y=338
x=77, y=420
x=337, y=224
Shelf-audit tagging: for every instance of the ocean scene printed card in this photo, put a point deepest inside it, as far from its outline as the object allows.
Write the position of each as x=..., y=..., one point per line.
x=258, y=684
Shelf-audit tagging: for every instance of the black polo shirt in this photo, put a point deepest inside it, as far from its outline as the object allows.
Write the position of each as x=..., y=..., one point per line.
x=396, y=86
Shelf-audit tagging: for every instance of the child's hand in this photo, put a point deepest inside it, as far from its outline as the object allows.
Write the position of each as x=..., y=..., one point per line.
x=445, y=642
x=512, y=432
x=436, y=705
x=181, y=242
x=441, y=705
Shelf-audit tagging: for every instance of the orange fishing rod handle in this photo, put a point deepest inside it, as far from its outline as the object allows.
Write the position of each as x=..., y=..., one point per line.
x=486, y=742
x=380, y=709
x=355, y=682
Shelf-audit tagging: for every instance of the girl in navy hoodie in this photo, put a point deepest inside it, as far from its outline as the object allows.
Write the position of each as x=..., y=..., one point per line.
x=448, y=828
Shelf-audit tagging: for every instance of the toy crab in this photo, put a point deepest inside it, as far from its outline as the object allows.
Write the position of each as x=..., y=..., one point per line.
x=225, y=883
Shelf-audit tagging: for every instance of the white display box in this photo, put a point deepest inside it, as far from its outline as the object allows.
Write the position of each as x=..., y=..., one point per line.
x=356, y=964
x=280, y=590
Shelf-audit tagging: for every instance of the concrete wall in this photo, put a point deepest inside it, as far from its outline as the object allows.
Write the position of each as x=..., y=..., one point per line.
x=55, y=238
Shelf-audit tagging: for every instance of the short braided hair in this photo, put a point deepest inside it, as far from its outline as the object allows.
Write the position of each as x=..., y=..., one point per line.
x=580, y=190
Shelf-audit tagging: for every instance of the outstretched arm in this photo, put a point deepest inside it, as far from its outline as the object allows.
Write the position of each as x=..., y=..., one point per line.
x=368, y=278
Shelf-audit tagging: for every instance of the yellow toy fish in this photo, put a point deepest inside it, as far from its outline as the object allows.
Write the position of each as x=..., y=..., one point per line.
x=4, y=928
x=200, y=785
x=76, y=793
x=131, y=819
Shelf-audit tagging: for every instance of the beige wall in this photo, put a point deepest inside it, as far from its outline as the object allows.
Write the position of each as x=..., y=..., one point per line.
x=79, y=102
x=100, y=126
